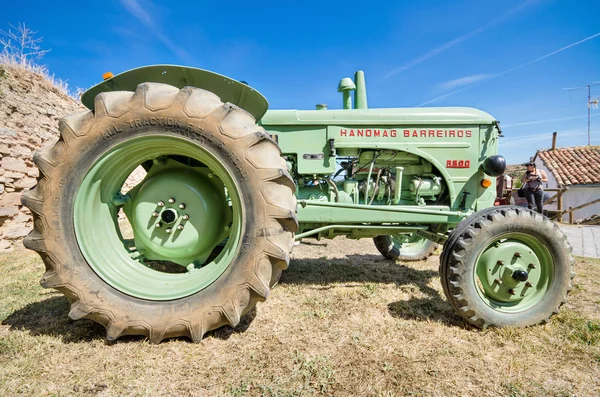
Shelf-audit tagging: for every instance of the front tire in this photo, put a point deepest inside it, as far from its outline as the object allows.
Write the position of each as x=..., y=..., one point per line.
x=235, y=255
x=507, y=267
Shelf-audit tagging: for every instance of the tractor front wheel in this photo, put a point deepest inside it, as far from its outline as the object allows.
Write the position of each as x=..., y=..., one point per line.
x=506, y=266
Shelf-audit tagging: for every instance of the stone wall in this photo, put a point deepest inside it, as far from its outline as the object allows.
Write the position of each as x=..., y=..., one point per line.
x=30, y=108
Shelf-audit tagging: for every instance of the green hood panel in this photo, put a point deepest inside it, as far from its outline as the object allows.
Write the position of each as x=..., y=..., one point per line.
x=393, y=116
x=228, y=89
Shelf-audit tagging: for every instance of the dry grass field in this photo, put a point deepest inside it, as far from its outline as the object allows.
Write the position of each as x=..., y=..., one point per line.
x=341, y=322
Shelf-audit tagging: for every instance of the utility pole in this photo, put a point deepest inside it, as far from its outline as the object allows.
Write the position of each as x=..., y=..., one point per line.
x=589, y=104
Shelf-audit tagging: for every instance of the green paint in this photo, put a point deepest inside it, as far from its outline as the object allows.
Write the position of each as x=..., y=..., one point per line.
x=110, y=256
x=409, y=243
x=228, y=89
x=415, y=146
x=180, y=235
x=505, y=255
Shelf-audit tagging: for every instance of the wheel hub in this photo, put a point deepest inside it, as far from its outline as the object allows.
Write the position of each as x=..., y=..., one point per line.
x=520, y=275
x=168, y=216
x=508, y=271
x=177, y=214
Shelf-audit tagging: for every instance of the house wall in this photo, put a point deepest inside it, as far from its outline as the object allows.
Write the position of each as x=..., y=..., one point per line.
x=578, y=195
x=575, y=196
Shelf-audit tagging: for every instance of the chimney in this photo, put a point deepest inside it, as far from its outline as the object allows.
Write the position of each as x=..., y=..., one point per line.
x=554, y=140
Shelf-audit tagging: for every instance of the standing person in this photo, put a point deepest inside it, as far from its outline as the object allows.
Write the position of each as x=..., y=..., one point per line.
x=534, y=190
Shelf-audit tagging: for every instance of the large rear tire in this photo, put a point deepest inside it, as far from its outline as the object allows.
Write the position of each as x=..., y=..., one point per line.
x=235, y=245
x=506, y=266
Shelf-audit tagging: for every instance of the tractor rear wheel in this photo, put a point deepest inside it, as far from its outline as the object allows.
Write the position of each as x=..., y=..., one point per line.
x=405, y=247
x=211, y=223
x=506, y=266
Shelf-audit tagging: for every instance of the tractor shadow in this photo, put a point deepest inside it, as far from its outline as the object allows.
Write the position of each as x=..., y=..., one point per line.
x=51, y=317
x=363, y=269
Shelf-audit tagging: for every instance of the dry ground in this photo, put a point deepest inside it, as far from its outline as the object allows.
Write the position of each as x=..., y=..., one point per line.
x=342, y=322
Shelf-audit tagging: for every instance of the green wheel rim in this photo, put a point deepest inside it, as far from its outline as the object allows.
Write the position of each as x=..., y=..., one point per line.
x=514, y=272
x=98, y=200
x=409, y=243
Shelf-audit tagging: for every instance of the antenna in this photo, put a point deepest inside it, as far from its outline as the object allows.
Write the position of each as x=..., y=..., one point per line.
x=591, y=102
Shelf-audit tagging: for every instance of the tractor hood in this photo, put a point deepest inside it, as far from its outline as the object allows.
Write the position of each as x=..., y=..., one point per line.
x=228, y=89
x=391, y=116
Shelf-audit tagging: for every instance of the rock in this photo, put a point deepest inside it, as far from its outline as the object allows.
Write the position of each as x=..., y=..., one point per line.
x=1, y=188
x=9, y=189
x=14, y=230
x=10, y=199
x=4, y=149
x=34, y=172
x=13, y=175
x=8, y=212
x=21, y=218
x=20, y=151
x=7, y=132
x=5, y=245
x=25, y=183
x=13, y=164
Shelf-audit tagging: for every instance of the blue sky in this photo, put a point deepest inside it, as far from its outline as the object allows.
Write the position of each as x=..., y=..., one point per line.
x=511, y=58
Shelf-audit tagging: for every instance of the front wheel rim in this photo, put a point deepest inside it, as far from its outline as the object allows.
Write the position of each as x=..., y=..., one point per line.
x=513, y=272
x=97, y=203
x=409, y=243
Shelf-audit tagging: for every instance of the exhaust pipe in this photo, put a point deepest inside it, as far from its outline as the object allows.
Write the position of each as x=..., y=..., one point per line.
x=360, y=94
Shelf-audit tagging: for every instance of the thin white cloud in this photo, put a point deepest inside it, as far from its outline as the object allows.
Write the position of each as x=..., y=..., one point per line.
x=452, y=84
x=520, y=141
x=512, y=69
x=457, y=40
x=546, y=121
x=135, y=9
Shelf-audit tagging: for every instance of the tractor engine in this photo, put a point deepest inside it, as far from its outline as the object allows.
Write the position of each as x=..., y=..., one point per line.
x=376, y=177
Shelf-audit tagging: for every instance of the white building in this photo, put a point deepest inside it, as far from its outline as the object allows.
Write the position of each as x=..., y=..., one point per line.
x=577, y=168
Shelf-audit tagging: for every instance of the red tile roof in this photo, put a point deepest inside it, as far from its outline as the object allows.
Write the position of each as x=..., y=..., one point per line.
x=579, y=165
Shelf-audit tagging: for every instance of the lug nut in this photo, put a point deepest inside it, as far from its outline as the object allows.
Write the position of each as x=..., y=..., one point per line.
x=528, y=284
x=171, y=200
x=186, y=217
x=500, y=263
x=169, y=230
x=158, y=224
x=155, y=214
x=181, y=206
x=498, y=281
x=179, y=227
x=532, y=266
x=161, y=203
x=518, y=255
x=511, y=291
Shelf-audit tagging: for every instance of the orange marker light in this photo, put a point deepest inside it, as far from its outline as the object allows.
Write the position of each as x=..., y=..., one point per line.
x=107, y=75
x=486, y=183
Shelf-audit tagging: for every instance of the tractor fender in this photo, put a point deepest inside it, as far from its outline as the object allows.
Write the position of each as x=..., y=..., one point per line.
x=228, y=89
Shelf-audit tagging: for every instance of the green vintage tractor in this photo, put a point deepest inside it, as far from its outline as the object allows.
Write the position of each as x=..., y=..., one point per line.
x=211, y=222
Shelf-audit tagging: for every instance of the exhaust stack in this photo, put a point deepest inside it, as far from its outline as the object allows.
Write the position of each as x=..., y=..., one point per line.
x=360, y=94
